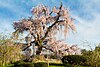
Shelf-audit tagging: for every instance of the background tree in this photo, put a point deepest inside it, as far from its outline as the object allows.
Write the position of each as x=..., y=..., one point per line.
x=44, y=24
x=93, y=56
x=9, y=51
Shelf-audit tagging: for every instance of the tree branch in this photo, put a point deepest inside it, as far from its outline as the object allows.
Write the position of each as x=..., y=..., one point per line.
x=50, y=27
x=48, y=48
x=51, y=12
x=33, y=36
x=41, y=45
x=61, y=20
x=28, y=46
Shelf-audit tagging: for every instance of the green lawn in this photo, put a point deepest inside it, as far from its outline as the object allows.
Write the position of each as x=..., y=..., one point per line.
x=55, y=66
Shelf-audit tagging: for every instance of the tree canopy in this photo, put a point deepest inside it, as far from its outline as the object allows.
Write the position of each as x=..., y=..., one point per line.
x=43, y=25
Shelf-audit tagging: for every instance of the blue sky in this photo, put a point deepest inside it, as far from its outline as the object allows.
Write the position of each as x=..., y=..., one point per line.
x=85, y=12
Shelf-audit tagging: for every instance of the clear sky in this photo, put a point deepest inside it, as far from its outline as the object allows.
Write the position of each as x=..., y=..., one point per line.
x=85, y=12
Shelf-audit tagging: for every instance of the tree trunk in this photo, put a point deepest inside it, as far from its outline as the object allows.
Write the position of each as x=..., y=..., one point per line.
x=39, y=50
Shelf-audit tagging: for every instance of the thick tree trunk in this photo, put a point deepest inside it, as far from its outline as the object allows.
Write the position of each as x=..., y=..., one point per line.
x=39, y=50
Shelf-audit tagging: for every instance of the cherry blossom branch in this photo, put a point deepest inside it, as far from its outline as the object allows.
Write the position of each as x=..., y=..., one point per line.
x=50, y=27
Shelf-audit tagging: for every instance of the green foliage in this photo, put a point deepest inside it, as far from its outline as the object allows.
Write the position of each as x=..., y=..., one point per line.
x=41, y=64
x=53, y=56
x=9, y=54
x=9, y=65
x=93, y=56
x=23, y=64
x=63, y=65
x=97, y=48
x=74, y=60
x=58, y=65
x=8, y=51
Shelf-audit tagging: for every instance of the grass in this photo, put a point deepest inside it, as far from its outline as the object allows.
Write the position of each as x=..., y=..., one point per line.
x=55, y=66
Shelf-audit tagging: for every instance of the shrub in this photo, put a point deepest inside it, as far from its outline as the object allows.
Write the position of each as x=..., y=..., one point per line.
x=9, y=50
x=9, y=54
x=41, y=64
x=93, y=56
x=57, y=65
x=10, y=65
x=74, y=60
x=53, y=57
x=23, y=64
